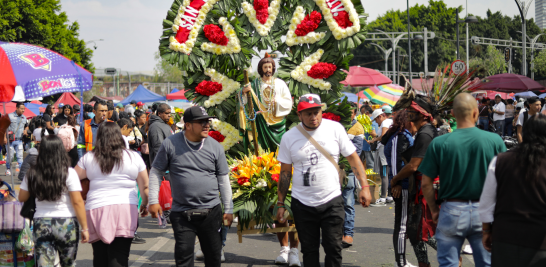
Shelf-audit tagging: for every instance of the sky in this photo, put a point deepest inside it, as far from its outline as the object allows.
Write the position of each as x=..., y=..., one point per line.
x=131, y=28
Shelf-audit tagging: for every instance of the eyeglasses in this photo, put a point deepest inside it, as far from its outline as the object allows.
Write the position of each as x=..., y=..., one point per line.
x=202, y=122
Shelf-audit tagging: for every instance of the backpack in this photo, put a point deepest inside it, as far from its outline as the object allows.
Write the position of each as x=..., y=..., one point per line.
x=66, y=133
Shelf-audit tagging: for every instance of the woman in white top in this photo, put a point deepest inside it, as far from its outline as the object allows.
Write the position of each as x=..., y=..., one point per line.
x=112, y=200
x=59, y=202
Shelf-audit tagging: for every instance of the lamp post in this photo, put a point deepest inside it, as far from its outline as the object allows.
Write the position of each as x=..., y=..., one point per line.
x=533, y=42
x=469, y=19
x=523, y=8
x=386, y=54
x=394, y=41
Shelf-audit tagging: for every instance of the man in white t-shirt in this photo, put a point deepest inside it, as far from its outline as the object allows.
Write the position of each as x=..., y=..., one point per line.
x=524, y=115
x=380, y=165
x=498, y=115
x=316, y=196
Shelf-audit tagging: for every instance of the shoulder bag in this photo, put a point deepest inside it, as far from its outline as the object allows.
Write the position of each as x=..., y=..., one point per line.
x=343, y=179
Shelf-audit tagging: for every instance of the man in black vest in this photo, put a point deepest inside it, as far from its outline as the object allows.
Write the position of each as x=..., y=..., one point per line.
x=534, y=108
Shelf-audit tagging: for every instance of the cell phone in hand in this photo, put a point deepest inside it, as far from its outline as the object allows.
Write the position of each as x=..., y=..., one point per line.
x=162, y=221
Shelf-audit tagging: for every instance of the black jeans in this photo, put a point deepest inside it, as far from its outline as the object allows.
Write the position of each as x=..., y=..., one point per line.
x=208, y=231
x=115, y=254
x=310, y=221
x=504, y=254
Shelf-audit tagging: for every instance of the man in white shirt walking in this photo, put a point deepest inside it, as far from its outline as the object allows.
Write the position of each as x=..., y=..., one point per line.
x=498, y=115
x=316, y=196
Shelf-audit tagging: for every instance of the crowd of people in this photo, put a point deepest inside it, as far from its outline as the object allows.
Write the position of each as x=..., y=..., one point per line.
x=449, y=178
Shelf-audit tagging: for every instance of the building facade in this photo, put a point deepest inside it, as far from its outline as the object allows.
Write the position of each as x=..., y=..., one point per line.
x=540, y=13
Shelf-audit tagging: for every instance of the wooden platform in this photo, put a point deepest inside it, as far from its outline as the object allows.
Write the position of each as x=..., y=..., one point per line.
x=252, y=230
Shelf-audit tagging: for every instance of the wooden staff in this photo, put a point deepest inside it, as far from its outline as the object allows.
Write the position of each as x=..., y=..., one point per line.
x=252, y=123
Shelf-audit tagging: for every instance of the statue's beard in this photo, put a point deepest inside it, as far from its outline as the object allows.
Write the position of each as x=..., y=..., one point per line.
x=268, y=74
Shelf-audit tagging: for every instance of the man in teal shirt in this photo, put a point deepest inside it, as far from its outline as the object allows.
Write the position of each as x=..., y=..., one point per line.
x=460, y=159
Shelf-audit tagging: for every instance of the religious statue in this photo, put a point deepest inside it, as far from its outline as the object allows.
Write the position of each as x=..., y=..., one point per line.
x=272, y=103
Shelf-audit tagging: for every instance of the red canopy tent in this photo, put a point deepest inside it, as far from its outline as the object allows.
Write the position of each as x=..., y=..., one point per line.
x=177, y=96
x=36, y=102
x=364, y=77
x=67, y=99
x=10, y=108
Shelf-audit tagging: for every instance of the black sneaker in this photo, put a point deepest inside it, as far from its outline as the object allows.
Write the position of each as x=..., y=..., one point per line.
x=138, y=240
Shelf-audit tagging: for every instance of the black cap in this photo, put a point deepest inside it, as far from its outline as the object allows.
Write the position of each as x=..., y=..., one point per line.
x=76, y=107
x=196, y=113
x=133, y=102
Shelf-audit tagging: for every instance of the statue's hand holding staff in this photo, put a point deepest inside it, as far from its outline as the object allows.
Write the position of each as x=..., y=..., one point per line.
x=247, y=88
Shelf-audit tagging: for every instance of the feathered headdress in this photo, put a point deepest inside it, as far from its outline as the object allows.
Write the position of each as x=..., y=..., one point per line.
x=433, y=100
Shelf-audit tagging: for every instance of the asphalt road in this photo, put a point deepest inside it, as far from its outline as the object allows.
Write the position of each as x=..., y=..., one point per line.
x=372, y=243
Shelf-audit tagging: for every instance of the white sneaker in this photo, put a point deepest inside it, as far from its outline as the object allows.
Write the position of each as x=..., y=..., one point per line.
x=294, y=257
x=199, y=255
x=223, y=259
x=379, y=203
x=283, y=257
x=409, y=265
x=8, y=172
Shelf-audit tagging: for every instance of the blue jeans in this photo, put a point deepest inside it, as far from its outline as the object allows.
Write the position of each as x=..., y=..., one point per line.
x=16, y=145
x=484, y=121
x=508, y=126
x=348, y=195
x=459, y=221
x=499, y=125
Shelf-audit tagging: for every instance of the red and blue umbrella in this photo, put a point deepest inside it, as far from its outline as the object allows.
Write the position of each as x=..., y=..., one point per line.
x=39, y=71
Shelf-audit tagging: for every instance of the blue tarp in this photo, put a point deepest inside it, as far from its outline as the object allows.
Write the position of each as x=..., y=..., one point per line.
x=35, y=108
x=350, y=97
x=174, y=91
x=142, y=94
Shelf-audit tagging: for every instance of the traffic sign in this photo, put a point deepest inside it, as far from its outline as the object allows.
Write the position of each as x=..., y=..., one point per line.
x=458, y=67
x=110, y=71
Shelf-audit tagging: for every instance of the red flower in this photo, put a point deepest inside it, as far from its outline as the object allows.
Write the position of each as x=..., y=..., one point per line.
x=309, y=24
x=322, y=70
x=208, y=88
x=217, y=136
x=215, y=34
x=242, y=180
x=235, y=169
x=331, y=116
x=343, y=20
x=262, y=13
x=275, y=177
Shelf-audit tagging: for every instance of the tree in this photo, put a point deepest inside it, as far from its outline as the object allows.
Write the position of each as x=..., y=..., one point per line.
x=41, y=22
x=440, y=19
x=165, y=72
x=540, y=64
x=492, y=63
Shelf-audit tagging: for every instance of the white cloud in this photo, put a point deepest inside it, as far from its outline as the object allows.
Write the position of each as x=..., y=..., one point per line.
x=131, y=28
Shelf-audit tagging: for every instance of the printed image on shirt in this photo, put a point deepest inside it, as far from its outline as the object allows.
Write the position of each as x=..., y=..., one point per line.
x=309, y=167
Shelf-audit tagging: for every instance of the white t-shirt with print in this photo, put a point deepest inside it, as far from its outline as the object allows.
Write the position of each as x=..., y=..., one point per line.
x=61, y=208
x=315, y=180
x=118, y=187
x=500, y=107
x=385, y=124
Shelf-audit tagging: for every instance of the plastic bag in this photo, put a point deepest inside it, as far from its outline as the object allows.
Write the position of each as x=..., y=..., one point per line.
x=165, y=196
x=25, y=242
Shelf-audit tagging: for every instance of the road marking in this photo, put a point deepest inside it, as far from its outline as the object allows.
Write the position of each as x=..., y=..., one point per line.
x=155, y=248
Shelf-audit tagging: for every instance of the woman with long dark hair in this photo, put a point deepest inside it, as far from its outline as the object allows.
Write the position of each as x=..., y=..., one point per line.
x=513, y=198
x=141, y=117
x=59, y=202
x=112, y=200
x=62, y=118
x=48, y=118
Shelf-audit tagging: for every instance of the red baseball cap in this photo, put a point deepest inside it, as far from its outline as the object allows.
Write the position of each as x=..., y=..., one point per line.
x=309, y=101
x=140, y=104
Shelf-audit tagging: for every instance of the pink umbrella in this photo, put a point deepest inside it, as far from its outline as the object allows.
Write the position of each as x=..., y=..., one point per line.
x=363, y=77
x=510, y=83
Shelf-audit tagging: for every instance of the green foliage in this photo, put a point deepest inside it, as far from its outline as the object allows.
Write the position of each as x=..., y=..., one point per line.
x=492, y=63
x=439, y=18
x=41, y=22
x=540, y=64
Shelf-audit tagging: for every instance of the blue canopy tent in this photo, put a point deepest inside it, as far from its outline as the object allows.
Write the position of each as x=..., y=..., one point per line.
x=174, y=91
x=142, y=94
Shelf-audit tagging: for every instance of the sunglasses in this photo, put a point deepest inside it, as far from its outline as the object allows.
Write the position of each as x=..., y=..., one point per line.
x=202, y=122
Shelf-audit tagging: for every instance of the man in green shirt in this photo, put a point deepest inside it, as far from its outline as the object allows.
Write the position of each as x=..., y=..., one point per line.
x=460, y=159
